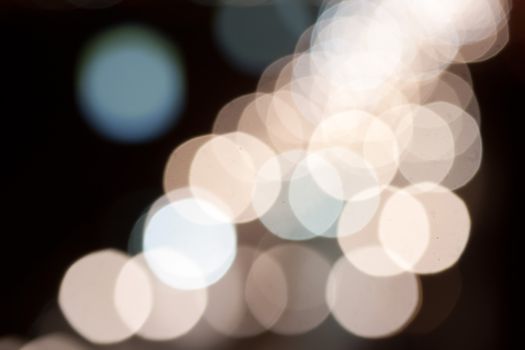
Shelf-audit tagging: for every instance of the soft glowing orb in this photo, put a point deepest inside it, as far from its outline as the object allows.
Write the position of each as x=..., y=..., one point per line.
x=130, y=84
x=228, y=310
x=104, y=297
x=189, y=243
x=371, y=307
x=174, y=312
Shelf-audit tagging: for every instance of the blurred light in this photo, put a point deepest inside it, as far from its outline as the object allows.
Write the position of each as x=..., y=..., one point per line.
x=343, y=174
x=131, y=84
x=266, y=290
x=465, y=166
x=449, y=224
x=285, y=289
x=174, y=311
x=235, y=167
x=364, y=134
x=56, y=341
x=276, y=74
x=136, y=237
x=305, y=272
x=467, y=143
x=360, y=134
x=486, y=48
x=371, y=307
x=430, y=152
x=275, y=120
x=177, y=168
x=202, y=336
x=363, y=248
x=404, y=228
x=133, y=294
x=291, y=214
x=98, y=297
x=189, y=243
x=317, y=210
x=227, y=310
x=228, y=117
x=253, y=37
x=10, y=343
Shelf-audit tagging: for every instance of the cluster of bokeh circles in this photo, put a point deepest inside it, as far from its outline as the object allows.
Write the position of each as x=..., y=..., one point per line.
x=327, y=191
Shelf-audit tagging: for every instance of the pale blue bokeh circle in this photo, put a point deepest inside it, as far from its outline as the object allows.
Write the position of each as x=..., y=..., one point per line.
x=131, y=85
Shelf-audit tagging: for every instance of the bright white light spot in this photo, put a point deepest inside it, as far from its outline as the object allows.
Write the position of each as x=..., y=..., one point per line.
x=189, y=243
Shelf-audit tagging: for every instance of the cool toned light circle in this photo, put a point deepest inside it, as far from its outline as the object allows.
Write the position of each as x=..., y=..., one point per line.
x=130, y=84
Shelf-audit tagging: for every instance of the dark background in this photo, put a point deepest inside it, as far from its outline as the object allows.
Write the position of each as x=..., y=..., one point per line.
x=66, y=191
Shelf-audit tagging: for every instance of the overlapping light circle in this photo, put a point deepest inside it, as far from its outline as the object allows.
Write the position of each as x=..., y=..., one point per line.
x=189, y=243
x=360, y=135
x=104, y=298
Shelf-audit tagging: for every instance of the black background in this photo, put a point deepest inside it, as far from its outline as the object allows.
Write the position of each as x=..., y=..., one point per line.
x=66, y=191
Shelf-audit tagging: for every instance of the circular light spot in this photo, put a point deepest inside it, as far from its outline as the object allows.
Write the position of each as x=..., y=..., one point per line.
x=131, y=84
x=227, y=310
x=465, y=166
x=467, y=144
x=430, y=152
x=174, y=311
x=300, y=307
x=266, y=290
x=88, y=300
x=298, y=199
x=371, y=307
x=364, y=134
x=404, y=228
x=177, y=169
x=228, y=117
x=343, y=174
x=449, y=227
x=357, y=214
x=189, y=243
x=235, y=167
x=363, y=248
x=316, y=209
x=283, y=124
x=133, y=294
x=275, y=75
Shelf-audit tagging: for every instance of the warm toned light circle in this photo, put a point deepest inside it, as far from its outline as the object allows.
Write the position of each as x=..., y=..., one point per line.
x=449, y=227
x=88, y=300
x=404, y=228
x=371, y=307
x=304, y=273
x=228, y=166
x=174, y=311
x=227, y=310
